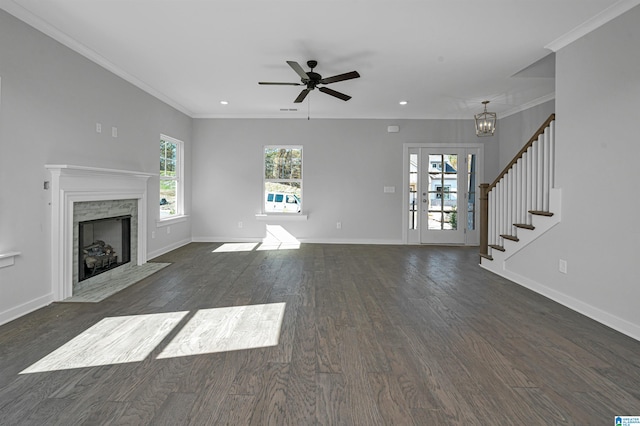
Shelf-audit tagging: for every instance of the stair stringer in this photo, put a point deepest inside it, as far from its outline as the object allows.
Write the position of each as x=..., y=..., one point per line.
x=542, y=225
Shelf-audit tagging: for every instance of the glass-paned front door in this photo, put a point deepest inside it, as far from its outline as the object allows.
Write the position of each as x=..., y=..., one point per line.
x=442, y=181
x=442, y=193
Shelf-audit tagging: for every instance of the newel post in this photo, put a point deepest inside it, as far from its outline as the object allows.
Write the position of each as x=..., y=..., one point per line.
x=484, y=218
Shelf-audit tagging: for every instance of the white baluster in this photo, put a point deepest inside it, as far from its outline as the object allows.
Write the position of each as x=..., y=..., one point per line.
x=539, y=183
x=534, y=176
x=552, y=150
x=492, y=216
x=525, y=191
x=546, y=176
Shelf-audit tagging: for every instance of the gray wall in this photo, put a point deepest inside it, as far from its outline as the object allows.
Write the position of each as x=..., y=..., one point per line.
x=516, y=130
x=597, y=95
x=346, y=165
x=51, y=98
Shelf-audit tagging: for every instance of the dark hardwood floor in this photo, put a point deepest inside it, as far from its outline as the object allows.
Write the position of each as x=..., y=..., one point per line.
x=371, y=335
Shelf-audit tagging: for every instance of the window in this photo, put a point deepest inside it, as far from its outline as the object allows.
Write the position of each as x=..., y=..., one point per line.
x=282, y=179
x=170, y=177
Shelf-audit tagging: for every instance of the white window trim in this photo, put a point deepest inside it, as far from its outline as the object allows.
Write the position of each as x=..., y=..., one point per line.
x=180, y=216
x=298, y=215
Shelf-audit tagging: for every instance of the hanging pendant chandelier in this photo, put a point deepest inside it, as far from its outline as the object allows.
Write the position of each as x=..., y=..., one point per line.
x=485, y=122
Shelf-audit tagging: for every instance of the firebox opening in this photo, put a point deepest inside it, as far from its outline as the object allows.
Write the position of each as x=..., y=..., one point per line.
x=104, y=244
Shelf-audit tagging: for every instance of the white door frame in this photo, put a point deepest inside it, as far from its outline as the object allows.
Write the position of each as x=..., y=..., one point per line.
x=405, y=180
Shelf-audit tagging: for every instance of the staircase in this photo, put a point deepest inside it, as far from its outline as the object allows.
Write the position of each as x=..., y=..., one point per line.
x=522, y=203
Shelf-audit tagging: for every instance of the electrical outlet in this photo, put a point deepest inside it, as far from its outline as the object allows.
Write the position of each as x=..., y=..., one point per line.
x=168, y=229
x=562, y=266
x=339, y=225
x=153, y=234
x=240, y=225
x=98, y=128
x=114, y=132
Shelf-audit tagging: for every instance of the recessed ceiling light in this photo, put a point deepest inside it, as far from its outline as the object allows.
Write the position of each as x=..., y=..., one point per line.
x=403, y=102
x=224, y=102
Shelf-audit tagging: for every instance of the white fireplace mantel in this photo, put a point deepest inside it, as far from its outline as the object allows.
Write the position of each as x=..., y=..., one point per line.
x=71, y=184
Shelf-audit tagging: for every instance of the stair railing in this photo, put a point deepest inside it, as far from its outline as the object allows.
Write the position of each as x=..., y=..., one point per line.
x=520, y=190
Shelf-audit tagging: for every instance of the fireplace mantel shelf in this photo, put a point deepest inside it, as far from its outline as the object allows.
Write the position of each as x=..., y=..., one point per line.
x=98, y=170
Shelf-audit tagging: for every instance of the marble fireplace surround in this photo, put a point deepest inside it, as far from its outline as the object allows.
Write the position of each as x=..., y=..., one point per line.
x=71, y=184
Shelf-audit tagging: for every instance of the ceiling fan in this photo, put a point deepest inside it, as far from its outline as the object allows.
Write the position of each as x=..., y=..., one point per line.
x=312, y=80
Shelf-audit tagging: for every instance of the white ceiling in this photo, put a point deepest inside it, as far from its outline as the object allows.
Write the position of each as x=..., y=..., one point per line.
x=444, y=57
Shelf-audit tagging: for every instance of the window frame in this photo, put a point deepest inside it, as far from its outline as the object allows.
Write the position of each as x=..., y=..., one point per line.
x=265, y=181
x=178, y=178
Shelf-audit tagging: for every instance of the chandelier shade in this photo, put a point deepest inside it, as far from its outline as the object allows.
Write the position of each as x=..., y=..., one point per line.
x=485, y=122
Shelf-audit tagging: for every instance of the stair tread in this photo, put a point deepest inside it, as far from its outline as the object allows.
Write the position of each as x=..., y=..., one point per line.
x=486, y=256
x=540, y=213
x=524, y=226
x=496, y=247
x=510, y=237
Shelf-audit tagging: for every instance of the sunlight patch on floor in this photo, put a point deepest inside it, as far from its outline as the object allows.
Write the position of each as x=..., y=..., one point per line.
x=279, y=238
x=114, y=340
x=228, y=329
x=235, y=247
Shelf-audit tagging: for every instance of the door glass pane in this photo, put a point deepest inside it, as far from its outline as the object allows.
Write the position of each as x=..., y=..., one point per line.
x=413, y=191
x=471, y=190
x=443, y=192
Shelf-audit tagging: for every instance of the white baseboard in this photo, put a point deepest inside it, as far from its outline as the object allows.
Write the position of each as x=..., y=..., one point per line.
x=302, y=240
x=25, y=308
x=619, y=324
x=167, y=249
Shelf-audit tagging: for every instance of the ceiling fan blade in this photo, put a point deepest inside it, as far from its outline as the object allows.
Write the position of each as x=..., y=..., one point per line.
x=334, y=93
x=340, y=77
x=297, y=68
x=280, y=84
x=301, y=96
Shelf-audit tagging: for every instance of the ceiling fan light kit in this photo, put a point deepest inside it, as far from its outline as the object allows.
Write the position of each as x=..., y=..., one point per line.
x=312, y=80
x=485, y=122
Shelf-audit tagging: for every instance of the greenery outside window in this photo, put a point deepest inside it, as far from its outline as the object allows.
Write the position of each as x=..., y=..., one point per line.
x=282, y=179
x=170, y=177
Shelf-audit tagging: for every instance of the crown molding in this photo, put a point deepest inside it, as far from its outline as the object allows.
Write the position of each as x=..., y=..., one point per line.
x=551, y=96
x=593, y=23
x=41, y=25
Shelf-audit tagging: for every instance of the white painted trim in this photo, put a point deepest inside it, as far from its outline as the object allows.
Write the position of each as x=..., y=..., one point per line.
x=290, y=217
x=393, y=242
x=58, y=35
x=592, y=24
x=227, y=240
x=171, y=220
x=25, y=308
x=97, y=170
x=405, y=179
x=156, y=253
x=526, y=106
x=179, y=179
x=596, y=314
x=7, y=259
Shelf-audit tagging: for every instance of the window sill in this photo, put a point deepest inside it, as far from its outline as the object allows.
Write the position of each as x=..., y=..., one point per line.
x=7, y=259
x=171, y=220
x=282, y=217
